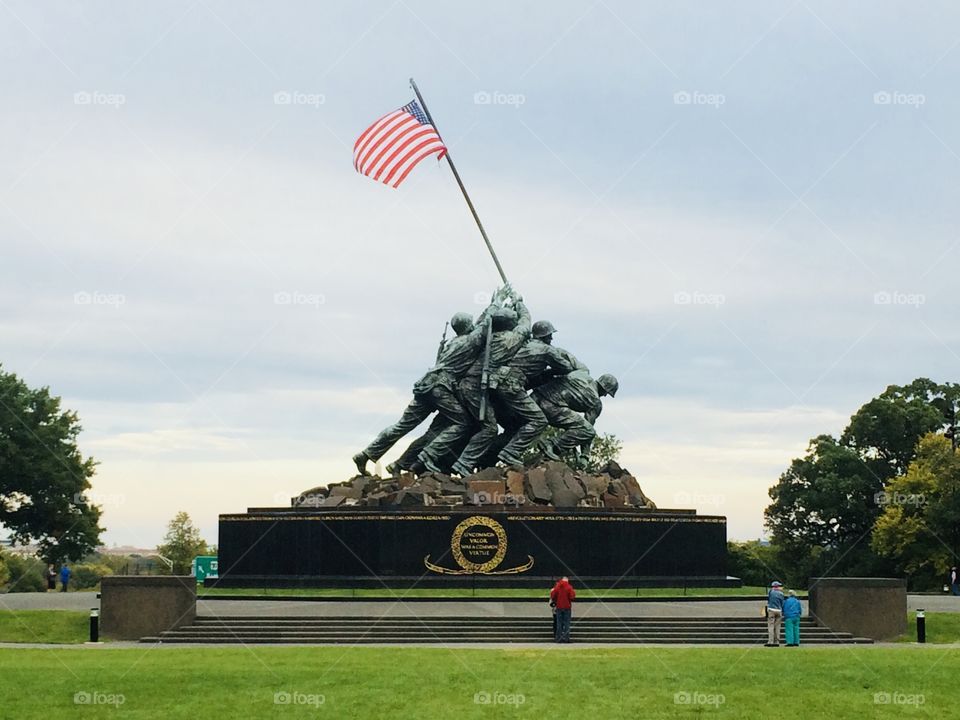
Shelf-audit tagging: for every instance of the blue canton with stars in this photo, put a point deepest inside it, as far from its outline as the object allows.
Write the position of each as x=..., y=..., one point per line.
x=415, y=110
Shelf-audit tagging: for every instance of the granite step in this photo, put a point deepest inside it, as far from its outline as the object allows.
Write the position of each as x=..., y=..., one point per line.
x=503, y=630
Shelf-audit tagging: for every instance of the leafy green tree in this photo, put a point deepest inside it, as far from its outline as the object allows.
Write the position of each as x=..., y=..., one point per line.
x=885, y=432
x=182, y=543
x=756, y=563
x=43, y=476
x=605, y=447
x=920, y=524
x=823, y=507
x=4, y=572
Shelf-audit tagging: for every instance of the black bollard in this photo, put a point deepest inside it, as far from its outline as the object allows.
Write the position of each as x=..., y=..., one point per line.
x=921, y=626
x=94, y=625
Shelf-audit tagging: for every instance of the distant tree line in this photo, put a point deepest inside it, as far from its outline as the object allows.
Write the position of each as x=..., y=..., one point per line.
x=182, y=543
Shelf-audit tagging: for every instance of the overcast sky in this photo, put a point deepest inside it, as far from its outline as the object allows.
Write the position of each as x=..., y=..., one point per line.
x=746, y=211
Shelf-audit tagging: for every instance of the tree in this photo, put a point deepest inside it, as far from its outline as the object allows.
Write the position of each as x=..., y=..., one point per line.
x=604, y=448
x=920, y=524
x=823, y=512
x=43, y=476
x=823, y=508
x=756, y=563
x=886, y=431
x=182, y=543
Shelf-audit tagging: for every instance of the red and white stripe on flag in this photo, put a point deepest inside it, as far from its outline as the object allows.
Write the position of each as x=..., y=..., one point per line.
x=390, y=148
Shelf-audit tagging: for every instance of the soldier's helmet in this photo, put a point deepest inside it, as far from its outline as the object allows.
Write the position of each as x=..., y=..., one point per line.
x=462, y=323
x=503, y=319
x=542, y=328
x=609, y=384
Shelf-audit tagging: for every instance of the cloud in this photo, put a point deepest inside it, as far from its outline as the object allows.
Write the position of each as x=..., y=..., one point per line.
x=276, y=307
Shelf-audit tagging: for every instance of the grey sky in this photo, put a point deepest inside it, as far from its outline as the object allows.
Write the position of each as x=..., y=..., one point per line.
x=787, y=168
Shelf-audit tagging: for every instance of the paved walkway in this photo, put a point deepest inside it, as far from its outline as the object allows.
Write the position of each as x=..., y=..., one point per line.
x=49, y=601
x=934, y=603
x=393, y=608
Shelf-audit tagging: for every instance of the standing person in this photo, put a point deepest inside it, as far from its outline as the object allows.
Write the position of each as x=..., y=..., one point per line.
x=553, y=612
x=954, y=581
x=64, y=577
x=774, y=613
x=51, y=578
x=563, y=595
x=792, y=610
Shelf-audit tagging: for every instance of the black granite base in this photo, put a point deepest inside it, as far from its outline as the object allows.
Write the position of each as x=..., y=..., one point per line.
x=467, y=546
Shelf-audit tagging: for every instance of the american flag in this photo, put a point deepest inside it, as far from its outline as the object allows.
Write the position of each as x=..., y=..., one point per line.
x=390, y=148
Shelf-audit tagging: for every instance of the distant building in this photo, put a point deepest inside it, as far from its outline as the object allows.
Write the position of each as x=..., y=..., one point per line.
x=125, y=550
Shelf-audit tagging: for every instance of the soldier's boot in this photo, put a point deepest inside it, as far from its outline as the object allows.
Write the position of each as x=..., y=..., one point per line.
x=417, y=467
x=583, y=461
x=546, y=447
x=509, y=460
x=429, y=463
x=461, y=470
x=361, y=459
x=394, y=469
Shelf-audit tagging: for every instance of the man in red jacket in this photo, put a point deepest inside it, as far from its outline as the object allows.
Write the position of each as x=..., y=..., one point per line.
x=561, y=597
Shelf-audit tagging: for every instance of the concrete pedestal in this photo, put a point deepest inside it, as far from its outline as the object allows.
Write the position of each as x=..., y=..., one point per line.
x=865, y=607
x=135, y=606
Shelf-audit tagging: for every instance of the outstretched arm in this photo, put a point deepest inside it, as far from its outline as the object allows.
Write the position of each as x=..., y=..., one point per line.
x=523, y=322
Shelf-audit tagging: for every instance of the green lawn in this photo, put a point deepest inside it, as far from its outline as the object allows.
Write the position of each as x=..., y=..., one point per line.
x=44, y=626
x=350, y=682
x=941, y=627
x=481, y=592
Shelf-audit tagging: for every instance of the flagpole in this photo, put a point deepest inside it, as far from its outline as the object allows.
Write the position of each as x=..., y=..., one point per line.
x=456, y=175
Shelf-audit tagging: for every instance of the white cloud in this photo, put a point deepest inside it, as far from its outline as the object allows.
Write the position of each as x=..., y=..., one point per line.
x=200, y=199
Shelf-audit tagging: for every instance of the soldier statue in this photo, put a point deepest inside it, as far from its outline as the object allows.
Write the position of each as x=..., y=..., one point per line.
x=509, y=330
x=436, y=392
x=534, y=362
x=562, y=401
x=481, y=381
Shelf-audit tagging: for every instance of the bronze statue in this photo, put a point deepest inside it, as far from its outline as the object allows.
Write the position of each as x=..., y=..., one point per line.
x=435, y=392
x=534, y=361
x=481, y=381
x=510, y=329
x=562, y=401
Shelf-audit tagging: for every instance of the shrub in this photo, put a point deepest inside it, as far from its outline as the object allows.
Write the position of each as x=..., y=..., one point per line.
x=87, y=575
x=26, y=574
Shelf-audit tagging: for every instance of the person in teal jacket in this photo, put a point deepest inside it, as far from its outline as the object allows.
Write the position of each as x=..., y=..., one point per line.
x=791, y=619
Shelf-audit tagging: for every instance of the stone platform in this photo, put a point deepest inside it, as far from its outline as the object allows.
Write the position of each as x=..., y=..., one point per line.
x=466, y=546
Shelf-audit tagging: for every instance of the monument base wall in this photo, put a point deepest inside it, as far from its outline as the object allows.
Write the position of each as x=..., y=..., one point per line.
x=135, y=606
x=864, y=607
x=467, y=546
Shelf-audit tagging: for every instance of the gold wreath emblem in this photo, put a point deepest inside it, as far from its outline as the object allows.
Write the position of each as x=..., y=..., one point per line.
x=470, y=567
x=457, y=550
